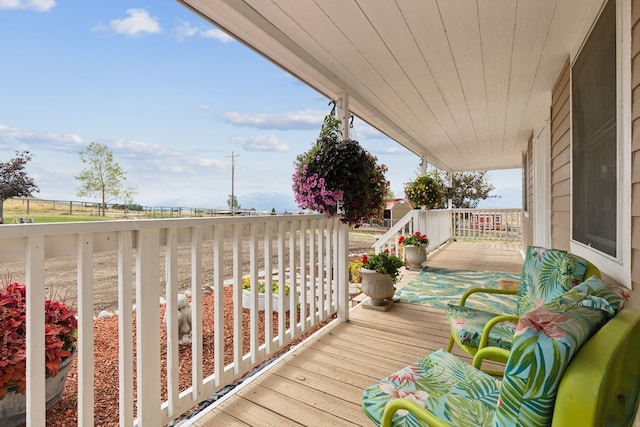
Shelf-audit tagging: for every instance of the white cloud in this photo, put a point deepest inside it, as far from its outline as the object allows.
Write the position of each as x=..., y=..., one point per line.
x=185, y=29
x=261, y=143
x=32, y=139
x=138, y=22
x=306, y=119
x=214, y=33
x=207, y=163
x=36, y=5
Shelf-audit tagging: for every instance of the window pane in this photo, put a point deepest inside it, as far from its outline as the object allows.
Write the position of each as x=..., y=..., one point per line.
x=594, y=154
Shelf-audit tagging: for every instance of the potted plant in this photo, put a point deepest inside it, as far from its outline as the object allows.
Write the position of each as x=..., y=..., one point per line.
x=415, y=249
x=339, y=177
x=275, y=294
x=61, y=328
x=378, y=274
x=425, y=191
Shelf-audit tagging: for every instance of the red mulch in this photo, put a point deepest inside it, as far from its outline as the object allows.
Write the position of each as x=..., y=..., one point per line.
x=106, y=362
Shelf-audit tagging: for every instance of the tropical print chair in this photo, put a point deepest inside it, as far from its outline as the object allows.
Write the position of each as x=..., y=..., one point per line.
x=546, y=274
x=442, y=390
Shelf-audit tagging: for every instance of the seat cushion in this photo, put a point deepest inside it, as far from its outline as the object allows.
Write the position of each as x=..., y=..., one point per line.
x=444, y=384
x=467, y=324
x=547, y=274
x=545, y=340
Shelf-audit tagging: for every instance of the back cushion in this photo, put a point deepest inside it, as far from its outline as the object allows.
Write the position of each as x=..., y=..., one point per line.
x=544, y=343
x=547, y=274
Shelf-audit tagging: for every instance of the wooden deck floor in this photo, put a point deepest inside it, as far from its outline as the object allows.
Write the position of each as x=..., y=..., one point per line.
x=321, y=382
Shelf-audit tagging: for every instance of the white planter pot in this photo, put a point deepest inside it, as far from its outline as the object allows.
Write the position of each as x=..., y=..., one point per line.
x=275, y=301
x=378, y=287
x=415, y=256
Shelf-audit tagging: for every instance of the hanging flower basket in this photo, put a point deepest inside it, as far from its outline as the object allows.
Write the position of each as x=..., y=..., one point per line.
x=339, y=177
x=425, y=191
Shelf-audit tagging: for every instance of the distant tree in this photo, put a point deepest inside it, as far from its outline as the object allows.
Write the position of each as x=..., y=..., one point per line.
x=14, y=181
x=233, y=203
x=103, y=177
x=467, y=188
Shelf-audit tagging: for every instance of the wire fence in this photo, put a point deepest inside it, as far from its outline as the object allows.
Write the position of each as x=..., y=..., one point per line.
x=24, y=208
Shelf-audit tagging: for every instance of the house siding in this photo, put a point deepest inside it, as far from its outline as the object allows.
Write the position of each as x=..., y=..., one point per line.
x=635, y=156
x=560, y=161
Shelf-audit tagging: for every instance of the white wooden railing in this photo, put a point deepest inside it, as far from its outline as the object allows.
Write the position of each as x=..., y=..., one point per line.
x=309, y=252
x=435, y=223
x=441, y=225
x=487, y=224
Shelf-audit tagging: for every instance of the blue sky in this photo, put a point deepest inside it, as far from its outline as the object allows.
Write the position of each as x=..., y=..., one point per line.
x=172, y=97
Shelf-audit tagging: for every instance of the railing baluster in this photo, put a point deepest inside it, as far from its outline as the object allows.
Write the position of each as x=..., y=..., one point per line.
x=147, y=330
x=312, y=273
x=36, y=400
x=218, y=304
x=253, y=266
x=85, y=327
x=281, y=281
x=237, y=298
x=304, y=319
x=125, y=327
x=268, y=275
x=196, y=312
x=171, y=308
x=293, y=295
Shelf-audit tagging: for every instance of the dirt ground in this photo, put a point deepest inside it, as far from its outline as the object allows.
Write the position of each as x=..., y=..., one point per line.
x=61, y=273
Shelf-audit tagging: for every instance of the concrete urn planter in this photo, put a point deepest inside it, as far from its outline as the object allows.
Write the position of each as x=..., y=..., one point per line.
x=378, y=287
x=415, y=256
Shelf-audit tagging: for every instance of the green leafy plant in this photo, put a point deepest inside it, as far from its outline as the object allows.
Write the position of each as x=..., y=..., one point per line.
x=275, y=287
x=415, y=239
x=61, y=328
x=425, y=191
x=383, y=263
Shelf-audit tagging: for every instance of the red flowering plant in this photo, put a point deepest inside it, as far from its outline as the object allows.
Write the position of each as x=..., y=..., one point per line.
x=61, y=328
x=383, y=263
x=339, y=177
x=415, y=239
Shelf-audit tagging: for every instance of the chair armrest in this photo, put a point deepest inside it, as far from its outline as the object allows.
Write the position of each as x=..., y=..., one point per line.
x=472, y=291
x=494, y=354
x=421, y=413
x=491, y=323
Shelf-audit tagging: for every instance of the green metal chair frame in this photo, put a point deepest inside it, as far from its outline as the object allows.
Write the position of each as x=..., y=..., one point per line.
x=494, y=354
x=601, y=385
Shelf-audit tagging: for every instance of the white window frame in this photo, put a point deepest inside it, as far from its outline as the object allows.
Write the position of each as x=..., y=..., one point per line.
x=618, y=267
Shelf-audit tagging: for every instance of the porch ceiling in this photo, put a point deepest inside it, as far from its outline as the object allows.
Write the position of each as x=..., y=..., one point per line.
x=459, y=82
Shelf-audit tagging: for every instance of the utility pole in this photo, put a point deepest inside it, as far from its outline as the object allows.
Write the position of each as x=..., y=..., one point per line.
x=233, y=197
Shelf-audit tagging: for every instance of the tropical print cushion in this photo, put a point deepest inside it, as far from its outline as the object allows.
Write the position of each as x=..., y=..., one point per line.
x=442, y=383
x=545, y=340
x=467, y=324
x=547, y=274
x=602, y=296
